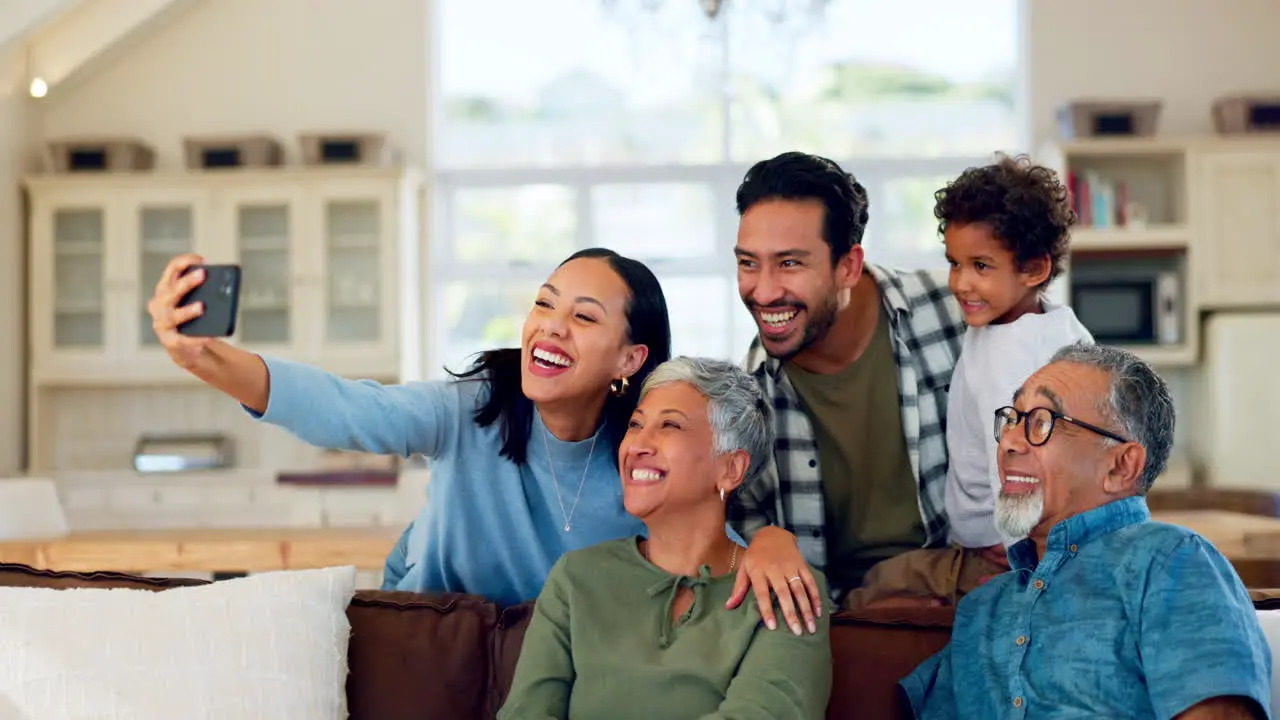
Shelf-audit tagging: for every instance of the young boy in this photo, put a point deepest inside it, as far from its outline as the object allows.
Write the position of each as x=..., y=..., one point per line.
x=1006, y=228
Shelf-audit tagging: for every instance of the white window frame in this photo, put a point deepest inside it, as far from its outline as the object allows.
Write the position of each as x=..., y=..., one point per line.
x=873, y=172
x=723, y=181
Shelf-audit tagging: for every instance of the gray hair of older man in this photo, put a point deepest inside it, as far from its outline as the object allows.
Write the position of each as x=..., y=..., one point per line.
x=740, y=418
x=1138, y=403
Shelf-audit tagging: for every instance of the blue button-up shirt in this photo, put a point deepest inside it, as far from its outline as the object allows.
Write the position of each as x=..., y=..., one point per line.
x=1122, y=618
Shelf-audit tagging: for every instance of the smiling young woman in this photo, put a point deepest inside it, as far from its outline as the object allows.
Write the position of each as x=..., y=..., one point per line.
x=523, y=443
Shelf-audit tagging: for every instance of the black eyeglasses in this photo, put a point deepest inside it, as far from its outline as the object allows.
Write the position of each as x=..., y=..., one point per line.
x=1040, y=422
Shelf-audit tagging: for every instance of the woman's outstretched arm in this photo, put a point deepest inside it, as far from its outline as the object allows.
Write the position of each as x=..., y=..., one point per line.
x=319, y=407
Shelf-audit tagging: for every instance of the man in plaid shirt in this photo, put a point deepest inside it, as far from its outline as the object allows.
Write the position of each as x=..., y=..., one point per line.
x=856, y=360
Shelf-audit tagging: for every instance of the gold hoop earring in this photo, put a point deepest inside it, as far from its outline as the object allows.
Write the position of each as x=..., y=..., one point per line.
x=619, y=387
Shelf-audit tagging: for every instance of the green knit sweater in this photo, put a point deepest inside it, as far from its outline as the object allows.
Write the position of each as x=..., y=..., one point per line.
x=602, y=644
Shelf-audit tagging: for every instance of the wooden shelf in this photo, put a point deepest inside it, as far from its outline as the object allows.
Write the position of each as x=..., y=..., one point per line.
x=1158, y=145
x=1152, y=237
x=1167, y=356
x=1158, y=174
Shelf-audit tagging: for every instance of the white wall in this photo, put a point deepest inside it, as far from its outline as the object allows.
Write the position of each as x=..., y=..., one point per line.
x=281, y=66
x=13, y=302
x=1184, y=52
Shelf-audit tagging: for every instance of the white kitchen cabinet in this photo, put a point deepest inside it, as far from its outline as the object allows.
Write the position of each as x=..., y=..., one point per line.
x=263, y=230
x=1240, y=405
x=355, y=274
x=321, y=251
x=75, y=280
x=1240, y=262
x=331, y=264
x=93, y=268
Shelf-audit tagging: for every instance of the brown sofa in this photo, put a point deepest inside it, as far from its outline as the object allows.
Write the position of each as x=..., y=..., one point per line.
x=415, y=656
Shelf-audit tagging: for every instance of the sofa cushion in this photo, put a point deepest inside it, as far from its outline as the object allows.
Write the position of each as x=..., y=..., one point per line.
x=273, y=645
x=512, y=624
x=410, y=655
x=1270, y=622
x=873, y=649
x=415, y=656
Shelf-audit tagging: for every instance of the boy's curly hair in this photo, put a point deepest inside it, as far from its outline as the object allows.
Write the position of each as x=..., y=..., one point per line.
x=1026, y=206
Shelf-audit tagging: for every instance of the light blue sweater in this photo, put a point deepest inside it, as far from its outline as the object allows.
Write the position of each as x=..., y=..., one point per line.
x=489, y=527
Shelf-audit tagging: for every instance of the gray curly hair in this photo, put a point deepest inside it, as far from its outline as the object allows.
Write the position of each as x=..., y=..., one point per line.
x=740, y=418
x=1138, y=401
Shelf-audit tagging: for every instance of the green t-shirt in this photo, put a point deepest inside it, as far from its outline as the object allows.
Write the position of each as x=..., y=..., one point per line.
x=602, y=644
x=871, y=502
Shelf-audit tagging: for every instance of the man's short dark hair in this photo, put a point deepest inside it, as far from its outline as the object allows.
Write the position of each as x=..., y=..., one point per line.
x=801, y=176
x=1027, y=208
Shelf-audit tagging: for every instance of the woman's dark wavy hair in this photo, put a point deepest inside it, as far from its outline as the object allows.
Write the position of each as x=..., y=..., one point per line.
x=647, y=324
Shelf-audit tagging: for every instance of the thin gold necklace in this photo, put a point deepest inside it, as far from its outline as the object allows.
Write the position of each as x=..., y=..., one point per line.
x=733, y=559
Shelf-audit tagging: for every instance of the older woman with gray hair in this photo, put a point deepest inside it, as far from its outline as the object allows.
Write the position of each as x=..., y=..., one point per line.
x=638, y=628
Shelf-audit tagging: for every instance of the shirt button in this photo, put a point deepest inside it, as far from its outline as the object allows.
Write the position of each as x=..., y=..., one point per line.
x=1074, y=547
x=813, y=462
x=1022, y=640
x=1039, y=584
x=1017, y=702
x=816, y=533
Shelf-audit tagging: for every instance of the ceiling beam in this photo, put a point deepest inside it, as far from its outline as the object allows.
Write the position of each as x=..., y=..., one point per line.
x=91, y=33
x=20, y=18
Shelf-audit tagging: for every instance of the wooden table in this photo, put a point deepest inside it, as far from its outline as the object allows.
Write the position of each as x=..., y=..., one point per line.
x=206, y=550
x=1236, y=535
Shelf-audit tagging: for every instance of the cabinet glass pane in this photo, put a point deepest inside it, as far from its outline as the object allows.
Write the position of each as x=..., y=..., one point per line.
x=352, y=229
x=163, y=232
x=262, y=234
x=78, y=246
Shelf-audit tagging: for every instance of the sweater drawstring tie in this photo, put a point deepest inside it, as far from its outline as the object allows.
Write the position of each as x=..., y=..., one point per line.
x=671, y=585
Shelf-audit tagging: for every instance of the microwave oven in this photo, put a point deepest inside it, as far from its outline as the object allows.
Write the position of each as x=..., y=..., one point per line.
x=1126, y=305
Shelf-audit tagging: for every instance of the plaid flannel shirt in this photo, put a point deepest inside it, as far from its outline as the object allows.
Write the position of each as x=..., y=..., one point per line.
x=927, y=328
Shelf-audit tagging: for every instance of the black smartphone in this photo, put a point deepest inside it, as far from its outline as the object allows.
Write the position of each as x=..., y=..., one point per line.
x=220, y=293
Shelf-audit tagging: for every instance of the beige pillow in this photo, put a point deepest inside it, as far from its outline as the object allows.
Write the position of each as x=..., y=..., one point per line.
x=272, y=645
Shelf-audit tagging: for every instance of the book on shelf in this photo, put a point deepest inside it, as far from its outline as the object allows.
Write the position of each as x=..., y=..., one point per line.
x=1100, y=203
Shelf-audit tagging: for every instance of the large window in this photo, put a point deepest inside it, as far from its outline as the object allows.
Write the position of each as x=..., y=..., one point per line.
x=563, y=124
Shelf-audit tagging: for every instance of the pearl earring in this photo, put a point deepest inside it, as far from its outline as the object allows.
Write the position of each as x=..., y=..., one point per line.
x=721, y=494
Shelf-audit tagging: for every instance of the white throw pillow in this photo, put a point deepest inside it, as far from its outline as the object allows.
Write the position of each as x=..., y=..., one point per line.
x=272, y=645
x=1270, y=621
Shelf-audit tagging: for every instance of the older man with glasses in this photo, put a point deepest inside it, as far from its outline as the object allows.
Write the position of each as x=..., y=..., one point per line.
x=1105, y=612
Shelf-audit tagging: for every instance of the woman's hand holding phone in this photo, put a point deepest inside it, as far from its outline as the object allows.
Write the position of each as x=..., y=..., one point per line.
x=167, y=314
x=242, y=375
